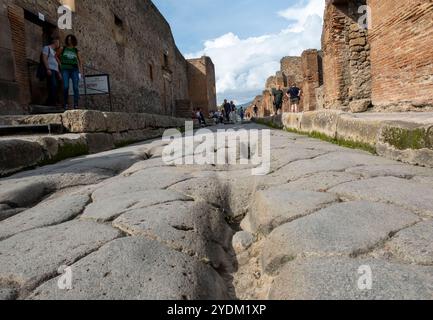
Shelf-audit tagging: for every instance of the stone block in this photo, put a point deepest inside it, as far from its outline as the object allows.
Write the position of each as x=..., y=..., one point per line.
x=99, y=142
x=19, y=154
x=358, y=130
x=359, y=106
x=84, y=121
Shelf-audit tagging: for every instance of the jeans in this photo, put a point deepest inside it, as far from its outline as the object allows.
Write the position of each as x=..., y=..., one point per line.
x=74, y=75
x=52, y=88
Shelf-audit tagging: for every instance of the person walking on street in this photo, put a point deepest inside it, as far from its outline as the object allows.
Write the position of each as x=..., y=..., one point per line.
x=233, y=113
x=278, y=100
x=51, y=64
x=256, y=111
x=227, y=110
x=294, y=95
x=72, y=67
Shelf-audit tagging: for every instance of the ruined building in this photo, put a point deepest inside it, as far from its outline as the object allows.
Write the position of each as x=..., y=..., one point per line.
x=129, y=40
x=386, y=66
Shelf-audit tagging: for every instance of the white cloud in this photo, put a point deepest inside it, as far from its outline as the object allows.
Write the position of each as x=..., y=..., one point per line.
x=243, y=65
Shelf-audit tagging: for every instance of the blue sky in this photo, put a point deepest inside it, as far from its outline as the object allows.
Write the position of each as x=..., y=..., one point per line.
x=245, y=38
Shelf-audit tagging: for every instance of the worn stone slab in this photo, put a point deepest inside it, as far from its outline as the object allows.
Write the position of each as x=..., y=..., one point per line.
x=99, y=142
x=48, y=213
x=210, y=189
x=107, y=209
x=31, y=257
x=23, y=193
x=16, y=154
x=84, y=121
x=397, y=170
x=276, y=206
x=145, y=180
x=334, y=161
x=320, y=182
x=193, y=228
x=343, y=229
x=137, y=269
x=415, y=244
x=337, y=279
x=408, y=194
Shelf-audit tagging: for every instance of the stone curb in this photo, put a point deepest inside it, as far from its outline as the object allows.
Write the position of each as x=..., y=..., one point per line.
x=404, y=141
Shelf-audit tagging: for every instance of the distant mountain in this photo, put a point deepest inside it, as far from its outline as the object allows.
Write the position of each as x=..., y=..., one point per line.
x=245, y=105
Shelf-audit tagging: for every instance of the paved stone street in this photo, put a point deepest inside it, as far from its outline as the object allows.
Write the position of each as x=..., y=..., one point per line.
x=132, y=227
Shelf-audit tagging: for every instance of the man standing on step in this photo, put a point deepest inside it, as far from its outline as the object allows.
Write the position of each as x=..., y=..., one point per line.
x=51, y=64
x=294, y=95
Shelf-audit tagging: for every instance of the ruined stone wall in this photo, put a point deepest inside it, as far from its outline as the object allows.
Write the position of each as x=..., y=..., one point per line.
x=401, y=52
x=346, y=56
x=291, y=67
x=202, y=91
x=128, y=39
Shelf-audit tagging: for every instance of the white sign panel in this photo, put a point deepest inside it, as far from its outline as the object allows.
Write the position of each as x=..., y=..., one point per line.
x=95, y=85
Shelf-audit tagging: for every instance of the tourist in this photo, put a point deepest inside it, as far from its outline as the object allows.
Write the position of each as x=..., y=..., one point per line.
x=294, y=95
x=278, y=100
x=227, y=110
x=52, y=72
x=242, y=114
x=233, y=112
x=200, y=117
x=72, y=67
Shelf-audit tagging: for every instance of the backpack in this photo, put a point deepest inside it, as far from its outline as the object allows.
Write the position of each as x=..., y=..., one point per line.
x=41, y=72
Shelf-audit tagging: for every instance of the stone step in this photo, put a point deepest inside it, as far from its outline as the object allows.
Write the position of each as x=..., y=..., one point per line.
x=14, y=130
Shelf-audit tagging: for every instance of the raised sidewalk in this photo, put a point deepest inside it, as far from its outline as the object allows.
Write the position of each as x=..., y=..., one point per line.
x=85, y=132
x=406, y=137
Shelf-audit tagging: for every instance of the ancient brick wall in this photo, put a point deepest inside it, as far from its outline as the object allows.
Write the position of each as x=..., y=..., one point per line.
x=128, y=39
x=401, y=52
x=346, y=55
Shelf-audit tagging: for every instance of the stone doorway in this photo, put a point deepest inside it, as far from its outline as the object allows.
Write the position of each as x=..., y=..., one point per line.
x=37, y=34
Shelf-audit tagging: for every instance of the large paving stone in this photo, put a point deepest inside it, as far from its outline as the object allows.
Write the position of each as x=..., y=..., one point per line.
x=415, y=244
x=319, y=182
x=137, y=269
x=334, y=161
x=25, y=192
x=210, y=189
x=99, y=142
x=343, y=229
x=107, y=209
x=48, y=213
x=146, y=180
x=31, y=257
x=337, y=279
x=193, y=228
x=408, y=194
x=276, y=206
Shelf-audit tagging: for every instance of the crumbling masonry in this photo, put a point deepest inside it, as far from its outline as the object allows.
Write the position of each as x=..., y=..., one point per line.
x=385, y=67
